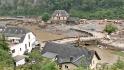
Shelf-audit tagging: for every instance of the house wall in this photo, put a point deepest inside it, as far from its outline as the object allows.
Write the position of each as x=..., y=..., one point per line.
x=59, y=18
x=27, y=44
x=65, y=18
x=17, y=49
x=13, y=39
x=54, y=18
x=21, y=62
x=70, y=66
x=10, y=38
x=95, y=61
x=42, y=45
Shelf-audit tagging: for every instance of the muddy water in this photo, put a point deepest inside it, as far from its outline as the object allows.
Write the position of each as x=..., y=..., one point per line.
x=43, y=36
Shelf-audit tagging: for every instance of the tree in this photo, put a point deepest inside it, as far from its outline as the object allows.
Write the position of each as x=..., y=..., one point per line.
x=5, y=58
x=35, y=55
x=37, y=62
x=45, y=17
x=3, y=44
x=110, y=28
x=89, y=9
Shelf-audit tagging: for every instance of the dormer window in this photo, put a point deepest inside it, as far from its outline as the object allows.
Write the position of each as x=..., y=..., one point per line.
x=57, y=14
x=15, y=41
x=71, y=58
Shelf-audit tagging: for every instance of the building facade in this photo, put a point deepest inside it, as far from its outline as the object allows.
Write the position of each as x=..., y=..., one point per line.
x=20, y=42
x=59, y=16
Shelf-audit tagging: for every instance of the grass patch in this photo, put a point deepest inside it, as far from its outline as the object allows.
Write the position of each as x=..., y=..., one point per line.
x=120, y=53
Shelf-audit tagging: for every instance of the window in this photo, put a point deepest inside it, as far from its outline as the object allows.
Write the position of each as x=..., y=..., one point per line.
x=59, y=18
x=28, y=36
x=29, y=44
x=13, y=51
x=25, y=46
x=20, y=49
x=66, y=66
x=87, y=44
x=13, y=40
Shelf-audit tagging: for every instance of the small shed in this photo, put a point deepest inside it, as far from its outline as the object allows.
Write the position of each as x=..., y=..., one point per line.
x=19, y=60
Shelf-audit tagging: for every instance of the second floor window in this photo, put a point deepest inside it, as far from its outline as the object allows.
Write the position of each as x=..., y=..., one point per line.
x=28, y=36
x=29, y=44
x=20, y=49
x=13, y=51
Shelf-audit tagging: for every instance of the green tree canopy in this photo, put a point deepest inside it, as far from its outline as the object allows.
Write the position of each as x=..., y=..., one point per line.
x=40, y=63
x=45, y=17
x=110, y=28
x=5, y=58
x=89, y=9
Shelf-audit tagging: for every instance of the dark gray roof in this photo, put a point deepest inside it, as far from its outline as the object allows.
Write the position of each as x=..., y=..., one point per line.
x=22, y=39
x=62, y=12
x=2, y=27
x=14, y=31
x=82, y=60
x=67, y=51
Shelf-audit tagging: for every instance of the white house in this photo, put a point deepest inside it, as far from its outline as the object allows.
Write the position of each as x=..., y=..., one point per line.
x=20, y=41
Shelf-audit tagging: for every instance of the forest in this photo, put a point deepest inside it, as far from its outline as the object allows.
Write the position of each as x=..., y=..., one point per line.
x=89, y=9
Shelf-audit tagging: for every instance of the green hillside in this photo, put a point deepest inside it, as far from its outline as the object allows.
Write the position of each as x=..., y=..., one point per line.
x=91, y=9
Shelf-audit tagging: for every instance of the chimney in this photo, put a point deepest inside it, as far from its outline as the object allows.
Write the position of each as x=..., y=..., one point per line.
x=71, y=58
